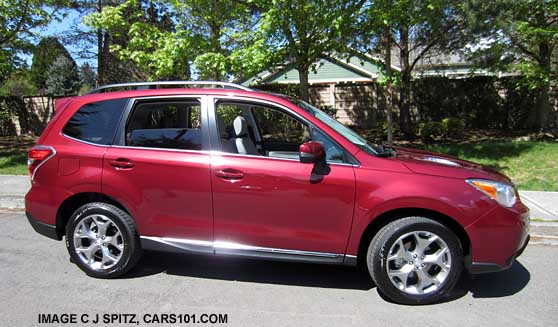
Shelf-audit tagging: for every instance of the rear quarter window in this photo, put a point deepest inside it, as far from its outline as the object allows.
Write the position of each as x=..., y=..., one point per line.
x=96, y=122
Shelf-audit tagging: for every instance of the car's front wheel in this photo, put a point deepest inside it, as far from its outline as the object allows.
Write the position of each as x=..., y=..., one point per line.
x=415, y=260
x=102, y=240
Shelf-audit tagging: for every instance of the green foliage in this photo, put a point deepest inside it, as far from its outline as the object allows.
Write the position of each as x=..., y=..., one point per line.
x=87, y=78
x=44, y=55
x=384, y=126
x=523, y=35
x=430, y=130
x=304, y=30
x=452, y=126
x=63, y=78
x=519, y=37
x=413, y=28
x=481, y=101
x=216, y=38
x=18, y=19
x=18, y=84
x=10, y=107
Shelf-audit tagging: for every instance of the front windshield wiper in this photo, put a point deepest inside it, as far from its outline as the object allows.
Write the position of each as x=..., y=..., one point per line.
x=385, y=151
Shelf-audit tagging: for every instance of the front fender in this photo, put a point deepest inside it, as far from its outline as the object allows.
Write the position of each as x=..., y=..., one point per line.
x=380, y=192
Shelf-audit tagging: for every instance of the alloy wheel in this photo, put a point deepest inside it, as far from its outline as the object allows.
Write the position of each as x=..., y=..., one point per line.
x=98, y=242
x=418, y=262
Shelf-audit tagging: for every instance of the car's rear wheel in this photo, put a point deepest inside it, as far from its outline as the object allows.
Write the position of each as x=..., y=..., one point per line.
x=415, y=260
x=102, y=240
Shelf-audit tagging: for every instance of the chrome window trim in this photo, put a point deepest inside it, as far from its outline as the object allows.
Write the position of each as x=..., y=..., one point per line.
x=200, y=98
x=225, y=154
x=86, y=142
x=44, y=161
x=238, y=249
x=206, y=152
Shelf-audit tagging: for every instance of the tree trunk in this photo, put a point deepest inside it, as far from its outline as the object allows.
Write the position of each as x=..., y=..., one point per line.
x=543, y=101
x=215, y=35
x=405, y=89
x=215, y=40
x=100, y=61
x=388, y=99
x=303, y=78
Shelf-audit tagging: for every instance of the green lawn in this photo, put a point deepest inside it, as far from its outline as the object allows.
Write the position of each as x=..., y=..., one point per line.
x=13, y=154
x=533, y=165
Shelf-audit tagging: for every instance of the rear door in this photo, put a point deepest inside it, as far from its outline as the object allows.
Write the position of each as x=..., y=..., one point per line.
x=159, y=168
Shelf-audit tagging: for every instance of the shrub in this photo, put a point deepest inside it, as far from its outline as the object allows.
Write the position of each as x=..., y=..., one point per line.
x=430, y=130
x=453, y=126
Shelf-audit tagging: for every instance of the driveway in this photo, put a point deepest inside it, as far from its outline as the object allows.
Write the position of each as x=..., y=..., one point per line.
x=36, y=277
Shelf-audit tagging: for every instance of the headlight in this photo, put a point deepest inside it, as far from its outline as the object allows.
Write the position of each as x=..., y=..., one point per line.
x=501, y=192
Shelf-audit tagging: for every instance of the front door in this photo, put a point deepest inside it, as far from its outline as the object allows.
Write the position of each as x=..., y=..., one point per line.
x=267, y=202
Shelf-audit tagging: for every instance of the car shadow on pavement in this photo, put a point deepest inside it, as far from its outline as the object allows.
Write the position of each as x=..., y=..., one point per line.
x=500, y=284
x=253, y=271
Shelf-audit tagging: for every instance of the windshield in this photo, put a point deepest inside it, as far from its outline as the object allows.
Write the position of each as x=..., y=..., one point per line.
x=348, y=133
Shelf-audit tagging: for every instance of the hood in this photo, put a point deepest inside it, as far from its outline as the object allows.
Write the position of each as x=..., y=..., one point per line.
x=437, y=164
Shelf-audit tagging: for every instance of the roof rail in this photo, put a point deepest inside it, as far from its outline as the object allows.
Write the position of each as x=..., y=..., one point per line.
x=154, y=85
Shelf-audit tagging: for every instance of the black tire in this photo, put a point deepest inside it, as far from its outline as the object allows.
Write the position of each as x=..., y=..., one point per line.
x=131, y=252
x=383, y=241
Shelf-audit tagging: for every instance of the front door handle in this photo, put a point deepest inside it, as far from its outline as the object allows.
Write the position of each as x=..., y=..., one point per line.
x=122, y=163
x=229, y=174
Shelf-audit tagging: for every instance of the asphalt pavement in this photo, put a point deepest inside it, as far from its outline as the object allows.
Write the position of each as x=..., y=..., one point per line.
x=36, y=278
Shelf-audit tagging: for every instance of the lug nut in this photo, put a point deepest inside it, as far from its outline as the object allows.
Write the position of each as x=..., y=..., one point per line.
x=104, y=244
x=414, y=255
x=103, y=237
x=410, y=262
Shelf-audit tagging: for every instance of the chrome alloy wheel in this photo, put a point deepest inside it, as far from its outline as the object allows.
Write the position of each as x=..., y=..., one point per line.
x=418, y=262
x=98, y=242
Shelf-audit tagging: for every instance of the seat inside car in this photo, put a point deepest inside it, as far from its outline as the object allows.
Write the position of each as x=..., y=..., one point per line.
x=227, y=145
x=243, y=142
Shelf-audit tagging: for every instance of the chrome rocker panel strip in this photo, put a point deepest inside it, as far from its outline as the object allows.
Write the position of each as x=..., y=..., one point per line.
x=167, y=244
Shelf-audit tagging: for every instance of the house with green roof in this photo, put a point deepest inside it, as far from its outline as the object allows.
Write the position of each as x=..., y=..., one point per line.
x=349, y=84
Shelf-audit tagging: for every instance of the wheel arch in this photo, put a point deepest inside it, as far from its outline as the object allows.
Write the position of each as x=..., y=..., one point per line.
x=72, y=203
x=386, y=217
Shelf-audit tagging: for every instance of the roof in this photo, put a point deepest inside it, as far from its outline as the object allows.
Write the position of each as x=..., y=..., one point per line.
x=366, y=68
x=327, y=69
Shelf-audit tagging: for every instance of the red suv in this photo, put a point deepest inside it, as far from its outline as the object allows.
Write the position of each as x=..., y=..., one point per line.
x=216, y=168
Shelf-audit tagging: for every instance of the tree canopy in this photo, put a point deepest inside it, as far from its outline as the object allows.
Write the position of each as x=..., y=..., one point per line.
x=18, y=19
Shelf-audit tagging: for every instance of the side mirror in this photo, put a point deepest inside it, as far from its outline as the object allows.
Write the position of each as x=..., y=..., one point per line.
x=311, y=152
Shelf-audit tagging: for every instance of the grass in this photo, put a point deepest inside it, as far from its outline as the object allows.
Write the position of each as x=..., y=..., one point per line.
x=532, y=165
x=13, y=154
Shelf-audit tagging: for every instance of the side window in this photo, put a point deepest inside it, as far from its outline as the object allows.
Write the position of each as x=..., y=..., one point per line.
x=333, y=151
x=96, y=122
x=168, y=124
x=276, y=126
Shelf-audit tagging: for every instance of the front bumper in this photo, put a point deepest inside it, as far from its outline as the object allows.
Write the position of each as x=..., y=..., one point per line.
x=42, y=228
x=487, y=267
x=498, y=238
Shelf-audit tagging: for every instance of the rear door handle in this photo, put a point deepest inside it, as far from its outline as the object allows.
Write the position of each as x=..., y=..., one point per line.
x=229, y=174
x=122, y=163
